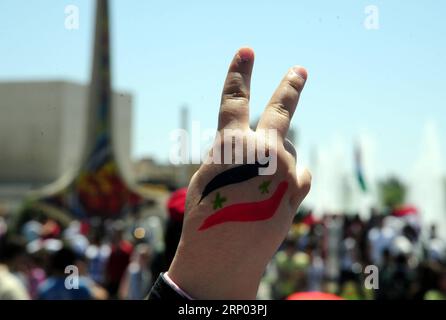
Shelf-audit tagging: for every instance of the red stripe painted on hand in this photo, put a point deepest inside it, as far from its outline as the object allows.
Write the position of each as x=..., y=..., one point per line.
x=249, y=211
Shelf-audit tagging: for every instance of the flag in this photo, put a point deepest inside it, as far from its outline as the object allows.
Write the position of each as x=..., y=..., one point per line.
x=360, y=169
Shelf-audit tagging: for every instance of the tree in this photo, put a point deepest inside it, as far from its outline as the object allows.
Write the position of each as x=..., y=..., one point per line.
x=392, y=192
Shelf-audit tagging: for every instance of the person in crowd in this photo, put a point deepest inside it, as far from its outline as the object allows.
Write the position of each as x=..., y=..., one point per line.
x=97, y=254
x=11, y=287
x=137, y=280
x=439, y=291
x=379, y=238
x=291, y=268
x=35, y=274
x=121, y=251
x=98, y=292
x=316, y=270
x=386, y=273
x=350, y=282
x=174, y=225
x=63, y=285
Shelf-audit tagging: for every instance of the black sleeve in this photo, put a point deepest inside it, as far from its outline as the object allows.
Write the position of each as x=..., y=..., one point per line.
x=161, y=290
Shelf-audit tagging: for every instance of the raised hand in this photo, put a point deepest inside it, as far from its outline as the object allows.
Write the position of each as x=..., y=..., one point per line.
x=241, y=202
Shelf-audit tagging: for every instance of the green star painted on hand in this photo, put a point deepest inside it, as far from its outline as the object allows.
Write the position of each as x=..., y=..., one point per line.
x=264, y=187
x=218, y=202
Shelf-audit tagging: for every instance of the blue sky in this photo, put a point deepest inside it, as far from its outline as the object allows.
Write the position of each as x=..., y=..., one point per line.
x=386, y=82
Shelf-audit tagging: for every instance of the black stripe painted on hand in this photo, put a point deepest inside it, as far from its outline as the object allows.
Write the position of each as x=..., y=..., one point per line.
x=232, y=176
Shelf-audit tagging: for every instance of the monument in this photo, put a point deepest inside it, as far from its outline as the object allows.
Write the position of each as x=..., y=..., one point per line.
x=97, y=187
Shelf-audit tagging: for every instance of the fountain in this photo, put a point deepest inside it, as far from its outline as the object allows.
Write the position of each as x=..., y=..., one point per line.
x=426, y=188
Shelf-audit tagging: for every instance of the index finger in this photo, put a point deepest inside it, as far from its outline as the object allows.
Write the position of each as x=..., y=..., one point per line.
x=234, y=109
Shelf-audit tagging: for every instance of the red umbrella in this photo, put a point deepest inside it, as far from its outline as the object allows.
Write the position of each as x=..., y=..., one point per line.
x=176, y=203
x=314, y=295
x=405, y=211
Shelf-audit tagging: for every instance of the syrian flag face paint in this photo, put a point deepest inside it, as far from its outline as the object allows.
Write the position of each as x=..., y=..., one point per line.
x=246, y=211
x=232, y=176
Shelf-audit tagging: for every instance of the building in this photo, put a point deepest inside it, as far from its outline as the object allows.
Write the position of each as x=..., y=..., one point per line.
x=148, y=172
x=42, y=132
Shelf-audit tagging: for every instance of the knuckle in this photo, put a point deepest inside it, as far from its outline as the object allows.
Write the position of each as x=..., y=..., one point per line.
x=235, y=87
x=296, y=83
x=235, y=96
x=280, y=109
x=227, y=113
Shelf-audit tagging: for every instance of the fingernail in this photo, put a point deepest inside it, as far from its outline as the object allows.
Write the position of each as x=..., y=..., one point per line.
x=300, y=72
x=245, y=55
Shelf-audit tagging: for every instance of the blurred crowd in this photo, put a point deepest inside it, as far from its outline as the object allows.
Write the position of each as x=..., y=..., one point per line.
x=78, y=262
x=95, y=259
x=386, y=257
x=120, y=259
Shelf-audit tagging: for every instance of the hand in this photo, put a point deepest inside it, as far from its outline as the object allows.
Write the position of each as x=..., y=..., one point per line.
x=237, y=214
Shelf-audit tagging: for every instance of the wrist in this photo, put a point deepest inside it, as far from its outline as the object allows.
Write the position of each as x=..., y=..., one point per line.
x=175, y=287
x=210, y=277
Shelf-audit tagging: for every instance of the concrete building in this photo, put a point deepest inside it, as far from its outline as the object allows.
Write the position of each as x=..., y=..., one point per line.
x=42, y=132
x=148, y=172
